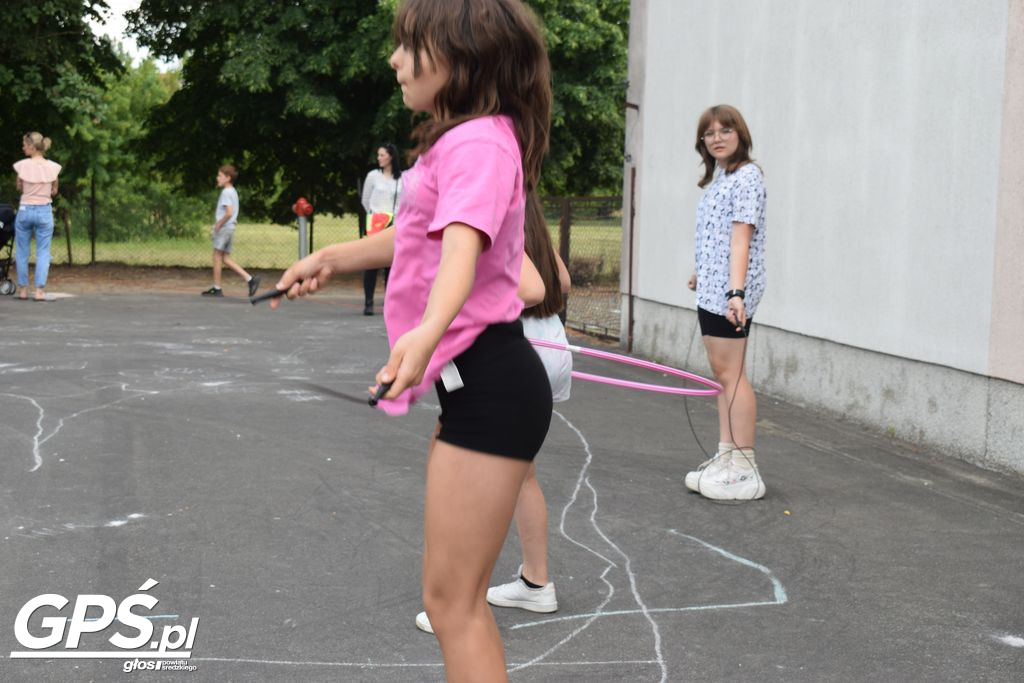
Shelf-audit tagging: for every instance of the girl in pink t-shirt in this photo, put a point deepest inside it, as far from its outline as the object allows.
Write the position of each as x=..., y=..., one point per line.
x=481, y=70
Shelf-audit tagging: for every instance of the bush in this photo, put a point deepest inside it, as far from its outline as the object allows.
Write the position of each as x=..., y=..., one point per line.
x=130, y=210
x=585, y=271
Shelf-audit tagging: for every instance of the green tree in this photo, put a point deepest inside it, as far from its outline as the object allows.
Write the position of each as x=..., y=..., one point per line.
x=587, y=45
x=51, y=65
x=299, y=94
x=135, y=199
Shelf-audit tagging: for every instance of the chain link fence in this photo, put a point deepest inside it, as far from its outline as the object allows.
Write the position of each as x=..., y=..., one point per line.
x=587, y=231
x=259, y=246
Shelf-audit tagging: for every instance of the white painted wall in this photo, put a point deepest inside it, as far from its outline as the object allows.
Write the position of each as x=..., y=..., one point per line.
x=890, y=134
x=878, y=125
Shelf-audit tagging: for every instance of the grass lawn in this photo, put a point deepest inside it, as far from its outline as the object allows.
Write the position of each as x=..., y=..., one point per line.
x=595, y=246
x=255, y=245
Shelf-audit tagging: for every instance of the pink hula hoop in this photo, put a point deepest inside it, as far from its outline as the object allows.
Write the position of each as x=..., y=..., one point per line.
x=714, y=388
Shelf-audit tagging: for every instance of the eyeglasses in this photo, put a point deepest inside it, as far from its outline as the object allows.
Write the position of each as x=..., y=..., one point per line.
x=722, y=133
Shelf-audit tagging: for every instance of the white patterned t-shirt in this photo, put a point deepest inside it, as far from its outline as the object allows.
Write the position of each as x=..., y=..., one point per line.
x=737, y=197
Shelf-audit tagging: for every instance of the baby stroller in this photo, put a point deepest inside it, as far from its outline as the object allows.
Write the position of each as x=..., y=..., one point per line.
x=6, y=248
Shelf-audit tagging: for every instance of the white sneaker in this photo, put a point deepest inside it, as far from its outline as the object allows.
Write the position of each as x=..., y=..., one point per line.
x=423, y=622
x=734, y=481
x=706, y=469
x=518, y=594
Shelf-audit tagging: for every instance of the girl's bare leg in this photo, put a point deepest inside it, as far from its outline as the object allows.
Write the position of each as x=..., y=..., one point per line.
x=737, y=405
x=469, y=504
x=532, y=523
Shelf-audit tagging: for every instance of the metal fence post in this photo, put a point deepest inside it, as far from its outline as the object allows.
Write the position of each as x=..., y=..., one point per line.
x=564, y=227
x=92, y=216
x=303, y=209
x=65, y=214
x=303, y=247
x=629, y=266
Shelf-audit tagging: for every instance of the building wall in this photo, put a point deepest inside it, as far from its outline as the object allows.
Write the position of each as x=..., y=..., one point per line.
x=890, y=137
x=1007, y=343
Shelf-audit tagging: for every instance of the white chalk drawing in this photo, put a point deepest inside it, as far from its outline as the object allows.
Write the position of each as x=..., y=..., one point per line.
x=71, y=527
x=300, y=395
x=778, y=591
x=1012, y=641
x=138, y=384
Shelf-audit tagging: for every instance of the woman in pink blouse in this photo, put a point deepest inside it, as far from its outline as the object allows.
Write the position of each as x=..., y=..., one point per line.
x=37, y=182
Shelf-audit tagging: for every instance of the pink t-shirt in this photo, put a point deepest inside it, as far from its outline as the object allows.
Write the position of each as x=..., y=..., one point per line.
x=473, y=174
x=37, y=178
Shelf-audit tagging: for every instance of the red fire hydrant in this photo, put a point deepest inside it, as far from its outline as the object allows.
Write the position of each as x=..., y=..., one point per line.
x=302, y=207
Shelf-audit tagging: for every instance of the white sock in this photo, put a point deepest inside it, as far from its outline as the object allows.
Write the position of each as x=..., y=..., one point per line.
x=744, y=457
x=725, y=447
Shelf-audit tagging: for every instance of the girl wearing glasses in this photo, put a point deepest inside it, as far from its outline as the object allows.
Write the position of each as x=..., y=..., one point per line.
x=729, y=280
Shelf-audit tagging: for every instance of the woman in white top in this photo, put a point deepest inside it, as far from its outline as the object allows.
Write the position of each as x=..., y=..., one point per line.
x=37, y=182
x=382, y=193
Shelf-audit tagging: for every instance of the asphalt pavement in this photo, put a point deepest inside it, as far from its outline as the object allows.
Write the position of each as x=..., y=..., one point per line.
x=226, y=453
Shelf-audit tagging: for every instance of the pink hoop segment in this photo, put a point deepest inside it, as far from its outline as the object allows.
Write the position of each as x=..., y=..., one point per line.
x=713, y=388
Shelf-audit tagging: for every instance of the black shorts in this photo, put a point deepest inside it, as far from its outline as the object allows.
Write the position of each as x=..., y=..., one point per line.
x=712, y=325
x=504, y=407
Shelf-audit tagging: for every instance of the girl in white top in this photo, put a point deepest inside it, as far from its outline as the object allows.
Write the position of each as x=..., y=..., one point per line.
x=382, y=193
x=532, y=588
x=37, y=182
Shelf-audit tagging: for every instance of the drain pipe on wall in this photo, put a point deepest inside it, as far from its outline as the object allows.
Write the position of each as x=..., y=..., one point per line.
x=629, y=286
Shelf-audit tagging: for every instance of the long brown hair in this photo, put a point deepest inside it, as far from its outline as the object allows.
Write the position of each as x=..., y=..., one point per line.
x=727, y=117
x=541, y=251
x=499, y=65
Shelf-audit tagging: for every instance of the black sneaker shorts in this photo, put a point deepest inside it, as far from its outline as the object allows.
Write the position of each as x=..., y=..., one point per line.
x=504, y=407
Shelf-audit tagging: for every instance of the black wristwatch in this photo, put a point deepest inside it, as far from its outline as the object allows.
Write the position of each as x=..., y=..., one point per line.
x=735, y=292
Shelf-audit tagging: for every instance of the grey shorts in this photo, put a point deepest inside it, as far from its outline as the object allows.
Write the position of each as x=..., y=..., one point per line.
x=222, y=238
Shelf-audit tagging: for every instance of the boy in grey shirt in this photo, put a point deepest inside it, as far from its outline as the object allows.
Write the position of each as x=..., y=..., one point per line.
x=226, y=216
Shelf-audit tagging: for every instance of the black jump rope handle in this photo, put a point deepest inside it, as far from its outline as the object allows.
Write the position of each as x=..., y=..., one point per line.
x=381, y=390
x=270, y=294
x=273, y=294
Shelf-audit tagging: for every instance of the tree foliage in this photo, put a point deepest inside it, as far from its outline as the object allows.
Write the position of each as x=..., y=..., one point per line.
x=298, y=95
x=51, y=67
x=79, y=90
x=587, y=44
x=135, y=198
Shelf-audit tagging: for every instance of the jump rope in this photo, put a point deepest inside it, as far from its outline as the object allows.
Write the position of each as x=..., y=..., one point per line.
x=711, y=388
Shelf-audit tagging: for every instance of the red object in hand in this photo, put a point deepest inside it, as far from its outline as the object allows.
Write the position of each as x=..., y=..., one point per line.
x=302, y=207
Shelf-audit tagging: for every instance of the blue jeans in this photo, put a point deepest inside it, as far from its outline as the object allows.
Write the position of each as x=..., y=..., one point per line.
x=37, y=219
